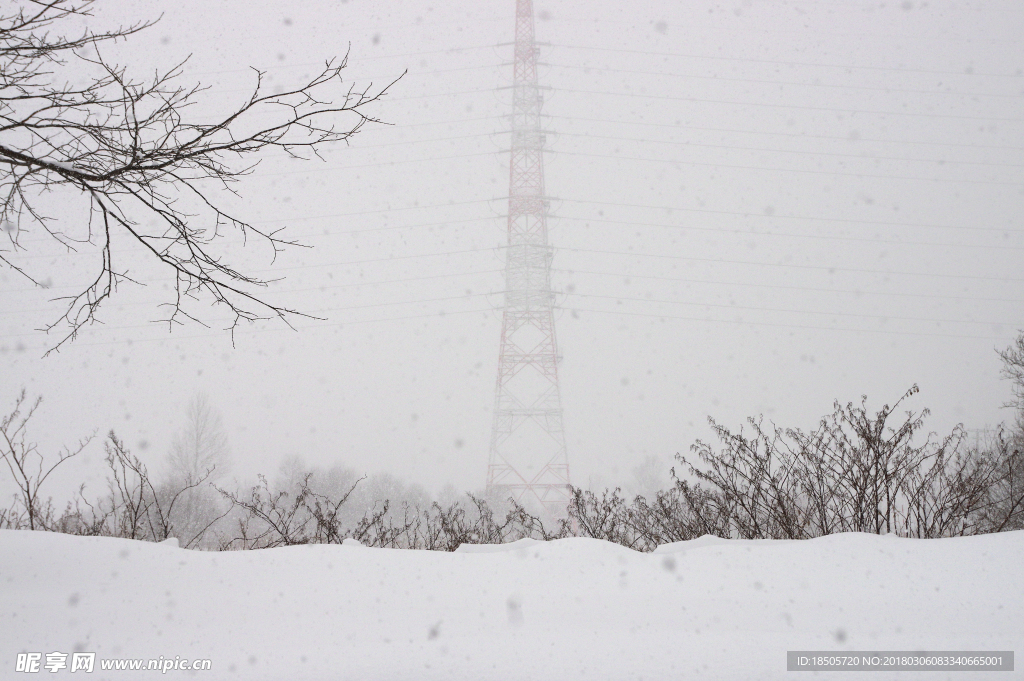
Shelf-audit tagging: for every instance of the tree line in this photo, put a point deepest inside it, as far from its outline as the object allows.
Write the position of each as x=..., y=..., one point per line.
x=858, y=471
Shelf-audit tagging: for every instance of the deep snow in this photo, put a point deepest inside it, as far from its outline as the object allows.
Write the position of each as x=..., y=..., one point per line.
x=569, y=609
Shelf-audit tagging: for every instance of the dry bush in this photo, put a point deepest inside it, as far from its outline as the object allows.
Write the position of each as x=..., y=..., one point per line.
x=29, y=468
x=279, y=517
x=857, y=472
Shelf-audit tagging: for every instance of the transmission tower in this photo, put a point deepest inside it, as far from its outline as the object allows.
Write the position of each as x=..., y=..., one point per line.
x=527, y=456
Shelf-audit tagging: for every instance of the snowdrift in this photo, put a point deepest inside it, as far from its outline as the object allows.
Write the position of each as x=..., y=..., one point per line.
x=569, y=609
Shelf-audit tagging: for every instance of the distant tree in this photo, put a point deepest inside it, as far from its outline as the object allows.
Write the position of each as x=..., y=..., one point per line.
x=291, y=473
x=146, y=170
x=1013, y=370
x=335, y=482
x=448, y=495
x=199, y=456
x=1011, y=443
x=650, y=477
x=201, y=445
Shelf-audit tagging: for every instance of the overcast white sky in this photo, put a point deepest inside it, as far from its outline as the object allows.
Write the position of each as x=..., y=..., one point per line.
x=760, y=208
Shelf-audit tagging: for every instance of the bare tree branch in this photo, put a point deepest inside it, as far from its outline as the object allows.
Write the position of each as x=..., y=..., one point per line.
x=150, y=171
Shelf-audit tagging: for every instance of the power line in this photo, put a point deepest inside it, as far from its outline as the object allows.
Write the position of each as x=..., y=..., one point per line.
x=793, y=266
x=386, y=210
x=391, y=281
x=797, y=152
x=375, y=58
x=797, y=217
x=684, y=162
x=320, y=217
x=844, y=4
x=393, y=257
x=773, y=309
x=745, y=215
x=759, y=285
x=386, y=98
x=939, y=161
x=804, y=107
x=784, y=134
x=390, y=228
x=781, y=62
x=310, y=171
x=845, y=86
x=783, y=326
x=460, y=121
x=255, y=331
x=679, y=125
x=824, y=237
x=400, y=302
x=431, y=95
x=632, y=254
x=297, y=290
x=318, y=265
x=401, y=161
x=360, y=147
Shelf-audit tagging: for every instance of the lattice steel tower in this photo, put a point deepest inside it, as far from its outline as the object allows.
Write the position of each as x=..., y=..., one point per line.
x=527, y=456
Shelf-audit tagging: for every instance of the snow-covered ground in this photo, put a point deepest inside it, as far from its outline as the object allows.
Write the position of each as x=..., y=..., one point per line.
x=569, y=609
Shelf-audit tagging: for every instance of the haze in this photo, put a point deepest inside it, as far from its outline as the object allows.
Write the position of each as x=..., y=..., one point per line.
x=759, y=208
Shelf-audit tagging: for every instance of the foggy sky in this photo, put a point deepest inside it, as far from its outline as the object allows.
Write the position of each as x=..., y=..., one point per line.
x=757, y=208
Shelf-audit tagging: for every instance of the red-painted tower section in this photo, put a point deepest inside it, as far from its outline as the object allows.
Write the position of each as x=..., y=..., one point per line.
x=528, y=458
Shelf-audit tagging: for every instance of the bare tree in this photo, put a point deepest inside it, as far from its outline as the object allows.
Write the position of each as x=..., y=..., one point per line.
x=198, y=452
x=202, y=444
x=148, y=172
x=648, y=478
x=1011, y=443
x=1013, y=370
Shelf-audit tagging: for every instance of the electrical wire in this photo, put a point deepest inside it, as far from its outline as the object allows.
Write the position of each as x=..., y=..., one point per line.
x=830, y=173
x=929, y=334
x=822, y=268
x=784, y=310
x=326, y=287
x=247, y=332
x=795, y=217
x=824, y=237
x=762, y=285
x=677, y=125
x=939, y=161
x=842, y=86
x=804, y=107
x=782, y=62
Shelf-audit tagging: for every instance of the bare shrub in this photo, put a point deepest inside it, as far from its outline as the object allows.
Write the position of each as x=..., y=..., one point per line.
x=679, y=513
x=134, y=508
x=857, y=472
x=1002, y=507
x=280, y=517
x=29, y=468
